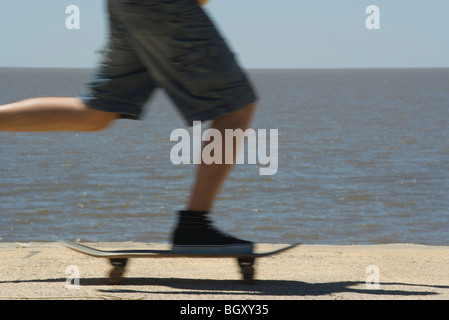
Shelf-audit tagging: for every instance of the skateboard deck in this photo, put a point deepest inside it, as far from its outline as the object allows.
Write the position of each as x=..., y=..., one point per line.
x=119, y=258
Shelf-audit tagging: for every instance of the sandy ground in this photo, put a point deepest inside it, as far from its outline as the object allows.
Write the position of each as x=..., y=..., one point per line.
x=319, y=272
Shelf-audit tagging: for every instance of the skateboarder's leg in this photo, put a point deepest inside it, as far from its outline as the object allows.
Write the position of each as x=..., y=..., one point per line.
x=52, y=114
x=195, y=232
x=210, y=177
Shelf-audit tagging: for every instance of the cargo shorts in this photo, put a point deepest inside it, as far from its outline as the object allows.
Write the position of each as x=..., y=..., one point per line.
x=168, y=44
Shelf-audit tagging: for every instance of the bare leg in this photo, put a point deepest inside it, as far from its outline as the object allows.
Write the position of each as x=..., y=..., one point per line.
x=210, y=177
x=52, y=114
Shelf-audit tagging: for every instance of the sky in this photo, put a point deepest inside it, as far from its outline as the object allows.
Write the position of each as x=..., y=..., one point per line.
x=262, y=33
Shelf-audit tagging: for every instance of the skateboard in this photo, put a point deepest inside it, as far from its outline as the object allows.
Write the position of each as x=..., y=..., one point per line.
x=119, y=258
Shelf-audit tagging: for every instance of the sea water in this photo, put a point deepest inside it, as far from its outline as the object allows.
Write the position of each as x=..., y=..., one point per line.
x=363, y=158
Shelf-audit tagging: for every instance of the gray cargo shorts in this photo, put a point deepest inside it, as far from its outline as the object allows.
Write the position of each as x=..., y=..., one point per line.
x=168, y=44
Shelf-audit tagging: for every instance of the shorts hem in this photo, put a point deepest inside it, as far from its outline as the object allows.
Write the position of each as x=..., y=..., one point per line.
x=125, y=112
x=212, y=114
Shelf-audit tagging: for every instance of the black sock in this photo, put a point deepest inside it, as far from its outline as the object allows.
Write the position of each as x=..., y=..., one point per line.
x=192, y=218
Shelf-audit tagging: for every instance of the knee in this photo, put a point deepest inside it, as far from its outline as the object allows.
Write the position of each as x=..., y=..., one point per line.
x=238, y=119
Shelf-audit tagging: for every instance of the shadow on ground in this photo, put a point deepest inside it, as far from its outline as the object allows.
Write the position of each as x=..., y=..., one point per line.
x=260, y=288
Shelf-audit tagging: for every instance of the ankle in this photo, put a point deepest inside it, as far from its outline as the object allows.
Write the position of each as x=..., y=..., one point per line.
x=190, y=218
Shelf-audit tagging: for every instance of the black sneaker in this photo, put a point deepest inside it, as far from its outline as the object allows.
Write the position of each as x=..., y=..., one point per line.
x=196, y=234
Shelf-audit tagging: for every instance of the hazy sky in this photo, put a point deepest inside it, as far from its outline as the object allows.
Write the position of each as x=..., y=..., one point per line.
x=263, y=33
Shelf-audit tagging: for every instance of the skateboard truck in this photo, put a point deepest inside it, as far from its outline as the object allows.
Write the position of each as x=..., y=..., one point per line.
x=117, y=271
x=247, y=269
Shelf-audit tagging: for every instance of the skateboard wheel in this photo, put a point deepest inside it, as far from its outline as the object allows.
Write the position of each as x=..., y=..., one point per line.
x=116, y=274
x=247, y=270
